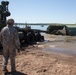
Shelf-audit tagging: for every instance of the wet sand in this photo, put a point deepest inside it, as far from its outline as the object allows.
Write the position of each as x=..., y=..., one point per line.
x=44, y=59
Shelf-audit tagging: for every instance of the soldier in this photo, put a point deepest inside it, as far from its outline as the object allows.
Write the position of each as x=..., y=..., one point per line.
x=10, y=41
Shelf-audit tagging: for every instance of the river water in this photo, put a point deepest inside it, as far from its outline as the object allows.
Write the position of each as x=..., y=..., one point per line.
x=40, y=27
x=60, y=44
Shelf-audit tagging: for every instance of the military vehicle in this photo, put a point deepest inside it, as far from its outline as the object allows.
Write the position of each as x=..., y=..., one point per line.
x=62, y=29
x=26, y=35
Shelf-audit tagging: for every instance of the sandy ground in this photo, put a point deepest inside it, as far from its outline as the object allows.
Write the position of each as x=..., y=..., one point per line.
x=35, y=61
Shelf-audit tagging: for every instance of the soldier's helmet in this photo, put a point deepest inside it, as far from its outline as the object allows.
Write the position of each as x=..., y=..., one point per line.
x=10, y=21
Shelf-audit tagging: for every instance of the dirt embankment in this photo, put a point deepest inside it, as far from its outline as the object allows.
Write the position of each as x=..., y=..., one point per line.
x=33, y=61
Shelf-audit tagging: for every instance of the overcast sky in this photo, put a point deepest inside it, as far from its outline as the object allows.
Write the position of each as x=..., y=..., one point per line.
x=43, y=11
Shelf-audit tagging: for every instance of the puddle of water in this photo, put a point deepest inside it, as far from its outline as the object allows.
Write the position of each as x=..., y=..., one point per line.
x=61, y=44
x=61, y=50
x=52, y=46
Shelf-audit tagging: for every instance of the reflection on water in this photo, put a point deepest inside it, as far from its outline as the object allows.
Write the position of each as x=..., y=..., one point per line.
x=59, y=38
x=62, y=44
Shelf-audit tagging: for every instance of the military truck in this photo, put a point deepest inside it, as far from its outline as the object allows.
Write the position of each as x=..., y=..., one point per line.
x=26, y=35
x=62, y=29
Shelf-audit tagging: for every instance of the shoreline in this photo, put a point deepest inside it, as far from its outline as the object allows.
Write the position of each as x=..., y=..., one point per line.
x=35, y=61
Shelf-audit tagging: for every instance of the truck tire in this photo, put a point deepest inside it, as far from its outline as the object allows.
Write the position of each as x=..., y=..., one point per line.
x=30, y=38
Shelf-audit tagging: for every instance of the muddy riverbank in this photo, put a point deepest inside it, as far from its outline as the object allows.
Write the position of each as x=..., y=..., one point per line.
x=44, y=59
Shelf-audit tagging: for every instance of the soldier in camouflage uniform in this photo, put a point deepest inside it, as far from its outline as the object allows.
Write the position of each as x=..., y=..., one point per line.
x=10, y=41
